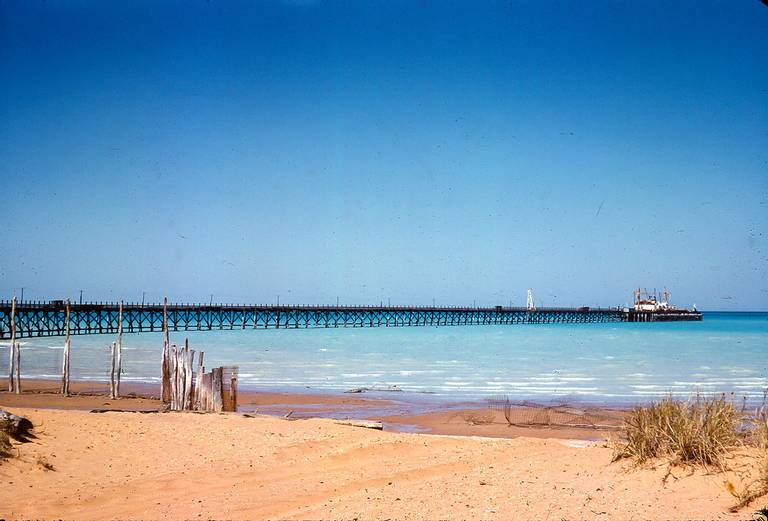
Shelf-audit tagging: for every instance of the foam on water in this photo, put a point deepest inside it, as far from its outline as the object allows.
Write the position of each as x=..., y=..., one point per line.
x=726, y=352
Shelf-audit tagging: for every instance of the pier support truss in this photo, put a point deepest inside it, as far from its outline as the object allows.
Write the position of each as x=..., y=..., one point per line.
x=38, y=319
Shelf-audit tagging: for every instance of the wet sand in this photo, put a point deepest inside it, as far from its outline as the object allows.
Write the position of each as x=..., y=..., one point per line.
x=397, y=412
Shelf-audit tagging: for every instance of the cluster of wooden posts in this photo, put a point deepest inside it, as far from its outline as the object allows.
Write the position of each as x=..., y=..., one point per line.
x=182, y=389
x=186, y=390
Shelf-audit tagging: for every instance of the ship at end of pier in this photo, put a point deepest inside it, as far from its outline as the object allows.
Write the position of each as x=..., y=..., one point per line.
x=649, y=308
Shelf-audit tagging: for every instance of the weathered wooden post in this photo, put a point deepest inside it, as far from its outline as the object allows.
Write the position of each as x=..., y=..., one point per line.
x=199, y=382
x=65, y=361
x=205, y=388
x=188, y=398
x=182, y=354
x=119, y=361
x=172, y=376
x=112, y=371
x=217, y=405
x=12, y=348
x=233, y=391
x=11, y=362
x=165, y=380
x=180, y=374
x=18, y=368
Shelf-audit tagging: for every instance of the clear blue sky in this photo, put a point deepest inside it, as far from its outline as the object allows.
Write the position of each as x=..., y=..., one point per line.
x=407, y=150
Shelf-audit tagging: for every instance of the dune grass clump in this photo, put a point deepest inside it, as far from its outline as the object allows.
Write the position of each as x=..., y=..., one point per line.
x=697, y=431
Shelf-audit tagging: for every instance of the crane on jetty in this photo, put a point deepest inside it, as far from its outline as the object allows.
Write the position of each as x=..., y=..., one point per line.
x=529, y=305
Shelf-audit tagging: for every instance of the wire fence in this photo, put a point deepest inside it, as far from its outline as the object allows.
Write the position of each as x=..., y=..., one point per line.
x=526, y=413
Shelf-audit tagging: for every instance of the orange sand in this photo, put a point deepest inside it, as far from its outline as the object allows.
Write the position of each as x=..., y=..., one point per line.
x=120, y=465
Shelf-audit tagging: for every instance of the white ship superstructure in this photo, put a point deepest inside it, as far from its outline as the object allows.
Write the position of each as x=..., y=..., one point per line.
x=651, y=302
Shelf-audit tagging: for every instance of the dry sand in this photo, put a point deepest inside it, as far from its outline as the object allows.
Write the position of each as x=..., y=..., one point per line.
x=120, y=465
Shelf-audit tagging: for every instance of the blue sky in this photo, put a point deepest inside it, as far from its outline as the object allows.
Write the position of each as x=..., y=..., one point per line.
x=399, y=150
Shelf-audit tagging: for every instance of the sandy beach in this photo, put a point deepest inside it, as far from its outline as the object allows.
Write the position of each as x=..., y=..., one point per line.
x=375, y=261
x=152, y=465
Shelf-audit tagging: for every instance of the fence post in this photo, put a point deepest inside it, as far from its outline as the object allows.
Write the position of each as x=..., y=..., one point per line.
x=18, y=368
x=199, y=382
x=183, y=356
x=165, y=378
x=119, y=362
x=65, y=361
x=112, y=371
x=189, y=398
x=233, y=391
x=207, y=391
x=12, y=348
x=217, y=404
x=173, y=362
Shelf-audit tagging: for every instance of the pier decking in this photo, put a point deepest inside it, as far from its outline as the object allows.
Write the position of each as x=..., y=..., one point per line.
x=48, y=318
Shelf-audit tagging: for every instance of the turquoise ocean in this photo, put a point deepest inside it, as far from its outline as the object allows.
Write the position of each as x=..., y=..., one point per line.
x=619, y=363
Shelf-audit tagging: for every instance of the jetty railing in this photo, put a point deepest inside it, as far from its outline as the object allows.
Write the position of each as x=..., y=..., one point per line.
x=49, y=318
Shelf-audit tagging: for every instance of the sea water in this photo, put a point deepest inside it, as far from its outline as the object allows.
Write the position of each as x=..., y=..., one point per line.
x=620, y=363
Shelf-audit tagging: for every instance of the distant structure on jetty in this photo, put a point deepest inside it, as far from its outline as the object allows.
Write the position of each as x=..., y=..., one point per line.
x=50, y=318
x=650, y=309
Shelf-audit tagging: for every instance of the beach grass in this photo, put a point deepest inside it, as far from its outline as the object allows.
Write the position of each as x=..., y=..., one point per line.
x=700, y=430
x=703, y=431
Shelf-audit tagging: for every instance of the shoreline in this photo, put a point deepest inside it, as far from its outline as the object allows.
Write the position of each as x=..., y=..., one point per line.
x=398, y=411
x=404, y=395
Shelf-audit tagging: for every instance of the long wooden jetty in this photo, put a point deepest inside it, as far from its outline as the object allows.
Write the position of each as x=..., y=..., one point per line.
x=49, y=318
